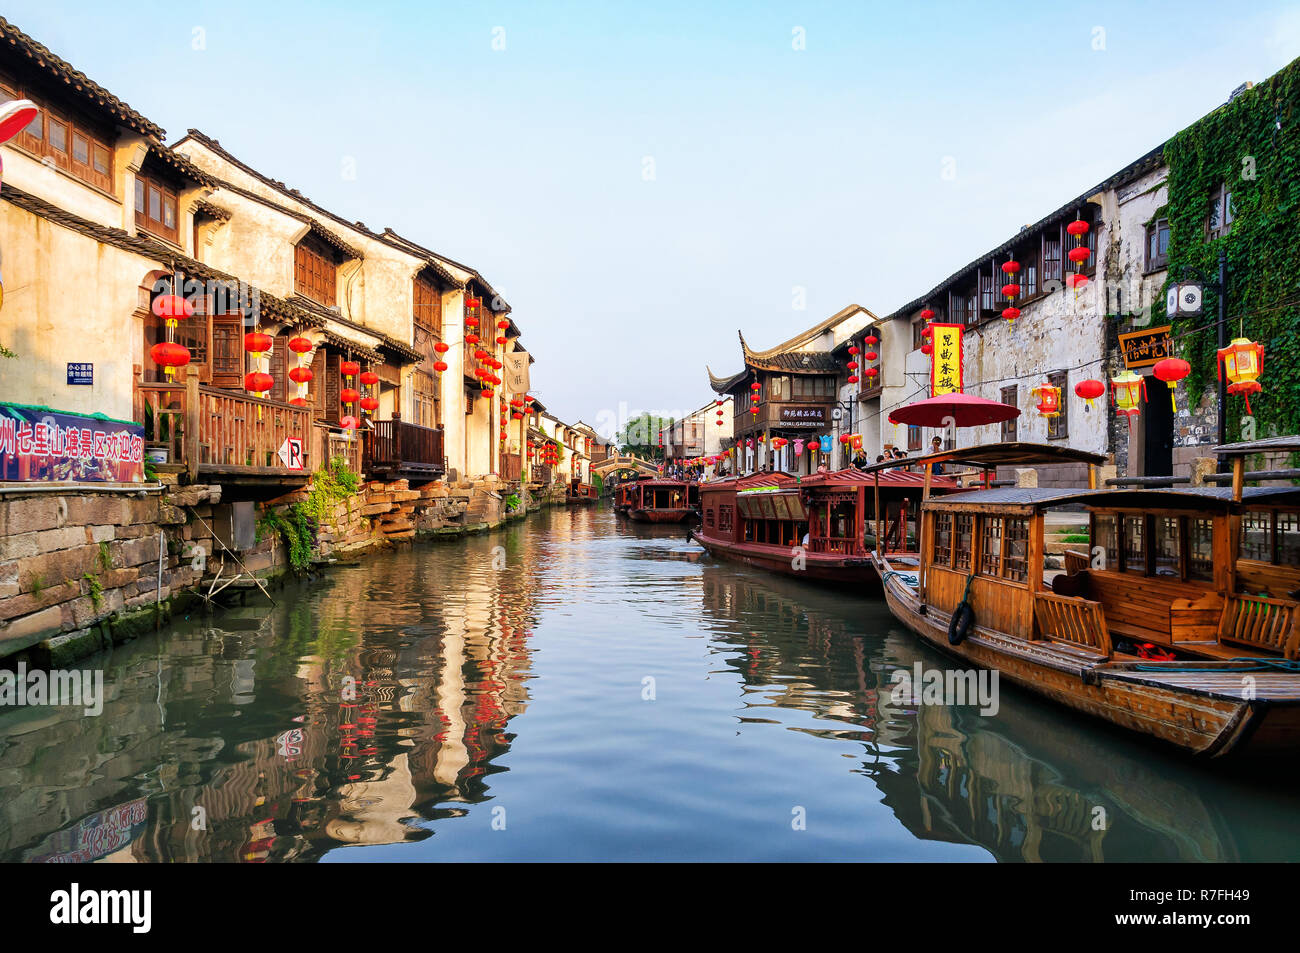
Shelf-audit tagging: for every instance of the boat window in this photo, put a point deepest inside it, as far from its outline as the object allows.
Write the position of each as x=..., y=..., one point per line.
x=1255, y=536
x=1015, y=565
x=742, y=502
x=1167, y=545
x=724, y=518
x=943, y=539
x=1200, y=548
x=782, y=505
x=991, y=545
x=1135, y=553
x=963, y=533
x=1105, y=536
x=1288, y=539
x=797, y=509
x=708, y=516
x=767, y=508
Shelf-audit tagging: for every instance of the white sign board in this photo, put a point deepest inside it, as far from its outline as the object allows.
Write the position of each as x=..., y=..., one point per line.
x=291, y=453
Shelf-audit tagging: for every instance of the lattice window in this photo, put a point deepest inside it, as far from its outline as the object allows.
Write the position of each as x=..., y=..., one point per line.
x=963, y=535
x=943, y=539
x=1166, y=544
x=1288, y=539
x=724, y=518
x=1256, y=537
x=1200, y=548
x=1015, y=548
x=991, y=528
x=1135, y=549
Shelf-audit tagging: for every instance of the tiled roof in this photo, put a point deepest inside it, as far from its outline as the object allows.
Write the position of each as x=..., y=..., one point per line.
x=181, y=165
x=41, y=59
x=1152, y=160
x=204, y=207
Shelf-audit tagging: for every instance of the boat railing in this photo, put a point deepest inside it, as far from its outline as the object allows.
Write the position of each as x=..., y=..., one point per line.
x=1072, y=620
x=836, y=545
x=1076, y=561
x=1261, y=623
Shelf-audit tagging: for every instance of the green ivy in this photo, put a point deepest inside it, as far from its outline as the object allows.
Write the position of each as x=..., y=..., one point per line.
x=298, y=523
x=1251, y=145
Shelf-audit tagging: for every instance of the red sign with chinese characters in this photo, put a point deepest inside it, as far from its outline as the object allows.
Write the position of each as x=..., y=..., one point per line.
x=39, y=445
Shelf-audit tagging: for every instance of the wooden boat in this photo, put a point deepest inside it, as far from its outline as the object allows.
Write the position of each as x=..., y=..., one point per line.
x=763, y=519
x=661, y=500
x=580, y=493
x=1182, y=626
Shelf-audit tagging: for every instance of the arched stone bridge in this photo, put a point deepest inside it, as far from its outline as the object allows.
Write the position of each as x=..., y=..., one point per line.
x=615, y=464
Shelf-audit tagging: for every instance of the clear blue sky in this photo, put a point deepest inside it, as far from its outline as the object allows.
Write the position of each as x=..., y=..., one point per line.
x=774, y=168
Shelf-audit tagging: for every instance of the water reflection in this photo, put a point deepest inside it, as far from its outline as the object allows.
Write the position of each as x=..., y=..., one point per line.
x=380, y=705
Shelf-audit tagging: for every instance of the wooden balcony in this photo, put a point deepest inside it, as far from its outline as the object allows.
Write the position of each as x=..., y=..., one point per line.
x=397, y=450
x=225, y=436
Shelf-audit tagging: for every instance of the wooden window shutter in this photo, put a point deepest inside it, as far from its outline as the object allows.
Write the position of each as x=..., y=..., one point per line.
x=279, y=368
x=333, y=384
x=228, y=351
x=316, y=389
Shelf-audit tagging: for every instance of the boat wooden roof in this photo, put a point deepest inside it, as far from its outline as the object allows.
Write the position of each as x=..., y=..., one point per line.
x=1029, y=499
x=1289, y=444
x=851, y=476
x=990, y=455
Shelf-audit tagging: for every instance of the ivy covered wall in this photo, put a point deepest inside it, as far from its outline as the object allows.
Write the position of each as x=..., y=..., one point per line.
x=1251, y=146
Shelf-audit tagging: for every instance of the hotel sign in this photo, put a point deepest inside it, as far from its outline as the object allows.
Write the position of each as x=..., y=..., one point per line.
x=800, y=416
x=1146, y=347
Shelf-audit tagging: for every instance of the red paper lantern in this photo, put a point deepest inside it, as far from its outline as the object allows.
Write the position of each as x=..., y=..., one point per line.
x=1089, y=390
x=870, y=356
x=872, y=372
x=852, y=365
x=258, y=383
x=1010, y=290
x=439, y=366
x=927, y=314
x=1079, y=255
x=169, y=356
x=369, y=378
x=853, y=378
x=369, y=403
x=755, y=386
x=1171, y=370
x=472, y=301
x=255, y=342
x=1076, y=281
x=927, y=348
x=1009, y=268
x=300, y=345
x=501, y=340
x=927, y=332
x=172, y=307
x=471, y=339
x=853, y=349
x=349, y=396
x=1010, y=313
x=871, y=340
x=300, y=375
x=442, y=348
x=1077, y=228
x=300, y=402
x=349, y=368
x=503, y=323
x=349, y=422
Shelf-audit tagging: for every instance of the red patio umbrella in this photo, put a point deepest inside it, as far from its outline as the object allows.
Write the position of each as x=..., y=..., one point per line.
x=966, y=410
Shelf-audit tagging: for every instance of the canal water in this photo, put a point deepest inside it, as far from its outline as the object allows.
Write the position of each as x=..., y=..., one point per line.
x=580, y=687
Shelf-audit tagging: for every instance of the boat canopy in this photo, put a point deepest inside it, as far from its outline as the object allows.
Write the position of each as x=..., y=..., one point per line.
x=1289, y=444
x=887, y=478
x=992, y=455
x=1032, y=499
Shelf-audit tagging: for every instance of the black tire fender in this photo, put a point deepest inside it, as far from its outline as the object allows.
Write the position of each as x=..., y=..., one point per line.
x=961, y=623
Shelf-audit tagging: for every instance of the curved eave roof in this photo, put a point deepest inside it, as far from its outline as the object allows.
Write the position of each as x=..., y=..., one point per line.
x=61, y=71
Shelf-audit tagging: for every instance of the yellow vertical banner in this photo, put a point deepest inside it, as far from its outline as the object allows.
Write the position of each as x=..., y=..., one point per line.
x=945, y=361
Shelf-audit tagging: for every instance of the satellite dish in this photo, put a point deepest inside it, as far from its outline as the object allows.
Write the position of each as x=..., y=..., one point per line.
x=15, y=116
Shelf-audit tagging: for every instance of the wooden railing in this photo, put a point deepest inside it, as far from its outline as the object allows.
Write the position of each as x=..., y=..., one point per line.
x=222, y=431
x=398, y=445
x=836, y=545
x=1261, y=623
x=1072, y=620
x=235, y=431
x=161, y=408
x=1076, y=561
x=541, y=473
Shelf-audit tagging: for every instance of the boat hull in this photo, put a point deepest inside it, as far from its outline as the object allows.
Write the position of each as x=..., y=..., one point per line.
x=820, y=567
x=1198, y=714
x=676, y=515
